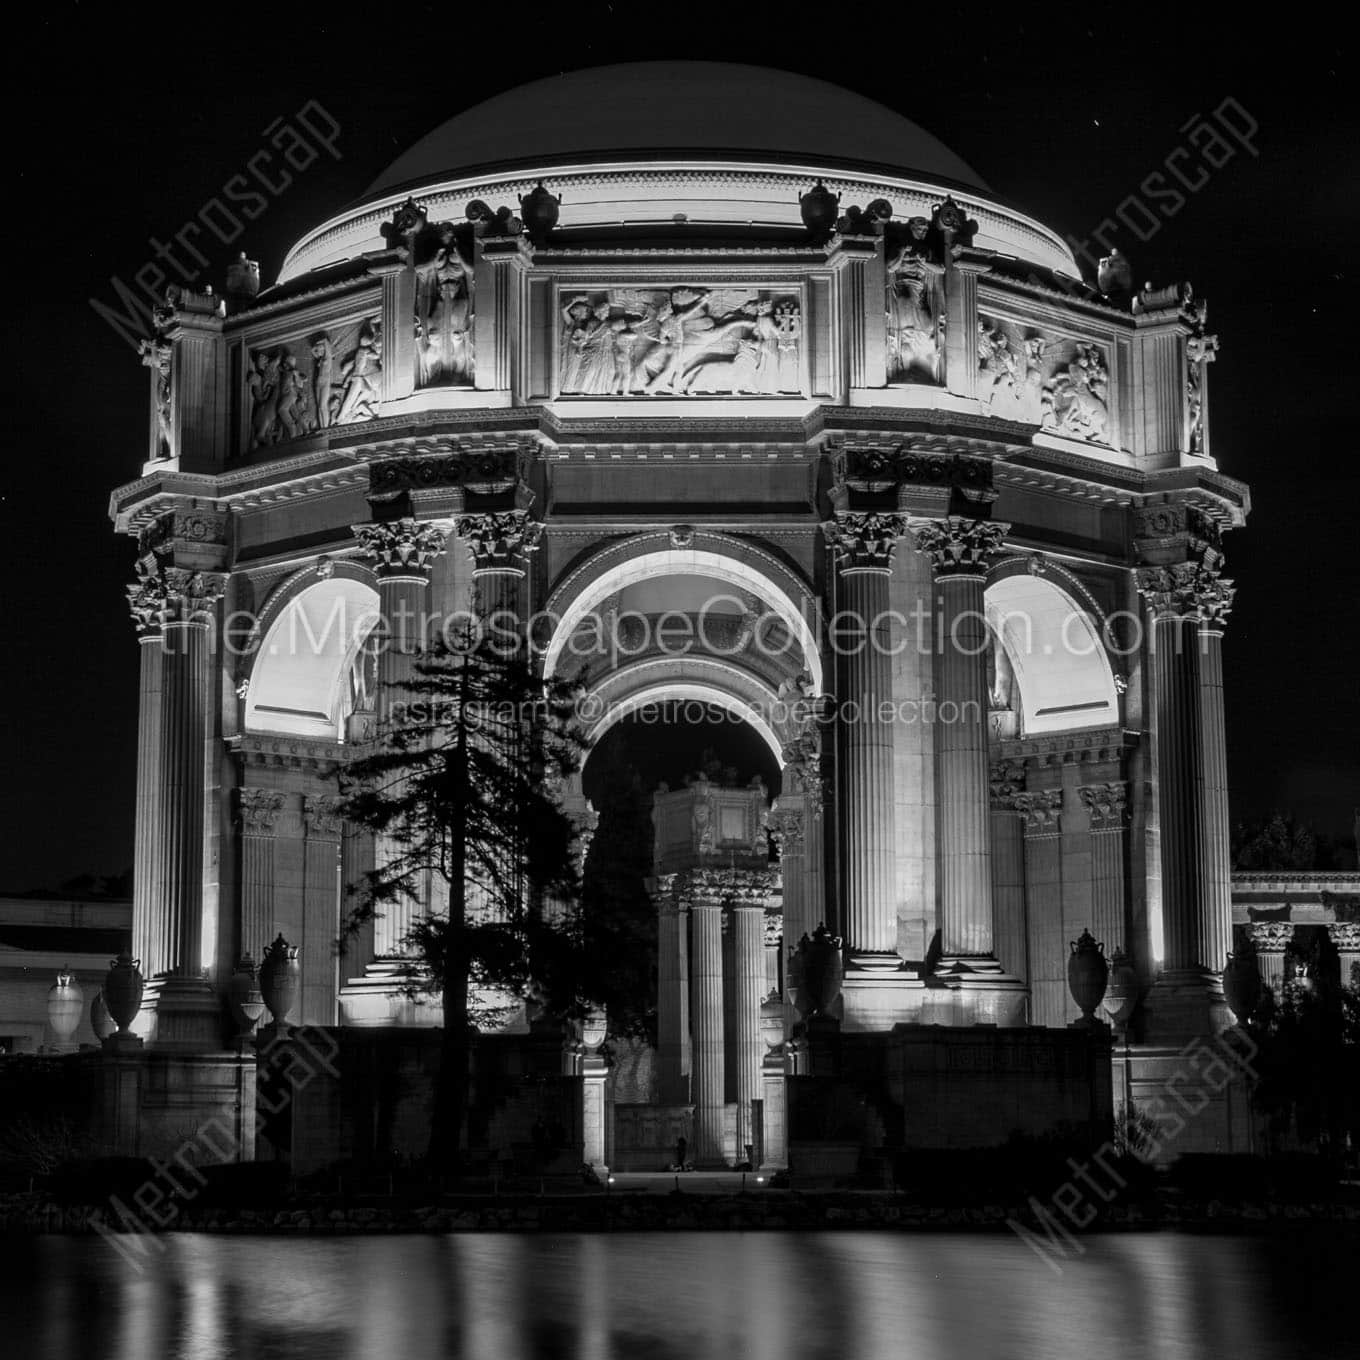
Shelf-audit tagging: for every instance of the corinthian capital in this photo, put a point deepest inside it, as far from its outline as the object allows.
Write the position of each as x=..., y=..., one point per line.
x=786, y=831
x=321, y=816
x=162, y=596
x=958, y=545
x=1187, y=590
x=865, y=541
x=402, y=547
x=500, y=542
x=1040, y=811
x=1106, y=803
x=259, y=810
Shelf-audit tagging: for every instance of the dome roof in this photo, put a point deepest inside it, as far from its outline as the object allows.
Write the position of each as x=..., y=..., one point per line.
x=710, y=109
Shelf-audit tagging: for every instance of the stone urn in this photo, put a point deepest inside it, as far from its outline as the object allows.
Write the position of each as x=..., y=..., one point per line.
x=820, y=209
x=1088, y=974
x=65, y=1006
x=279, y=973
x=244, y=996
x=123, y=991
x=772, y=1023
x=538, y=210
x=1242, y=983
x=594, y=1028
x=100, y=1020
x=1122, y=995
x=820, y=972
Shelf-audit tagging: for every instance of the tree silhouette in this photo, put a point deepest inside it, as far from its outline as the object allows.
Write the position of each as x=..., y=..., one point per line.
x=461, y=788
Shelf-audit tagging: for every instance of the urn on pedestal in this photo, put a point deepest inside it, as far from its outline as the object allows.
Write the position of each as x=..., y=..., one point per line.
x=65, y=1003
x=819, y=971
x=538, y=210
x=123, y=991
x=1122, y=995
x=1088, y=974
x=100, y=1020
x=279, y=973
x=1242, y=983
x=819, y=208
x=244, y=997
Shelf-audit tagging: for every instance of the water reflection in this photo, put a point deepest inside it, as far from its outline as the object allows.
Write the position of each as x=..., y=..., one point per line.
x=668, y=1296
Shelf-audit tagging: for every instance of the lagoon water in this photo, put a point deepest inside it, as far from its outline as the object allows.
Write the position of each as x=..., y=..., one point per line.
x=680, y=1296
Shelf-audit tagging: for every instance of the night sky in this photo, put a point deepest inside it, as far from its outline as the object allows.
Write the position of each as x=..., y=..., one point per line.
x=131, y=120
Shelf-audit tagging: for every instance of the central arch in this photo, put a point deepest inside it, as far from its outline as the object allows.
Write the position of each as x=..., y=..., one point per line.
x=575, y=597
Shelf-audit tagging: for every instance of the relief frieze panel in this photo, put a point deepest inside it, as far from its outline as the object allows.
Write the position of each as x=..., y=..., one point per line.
x=1054, y=381
x=298, y=387
x=680, y=341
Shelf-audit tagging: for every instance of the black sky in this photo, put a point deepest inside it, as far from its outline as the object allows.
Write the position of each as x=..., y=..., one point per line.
x=128, y=120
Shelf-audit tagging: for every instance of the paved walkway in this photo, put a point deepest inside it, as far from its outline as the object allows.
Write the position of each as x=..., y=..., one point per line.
x=688, y=1182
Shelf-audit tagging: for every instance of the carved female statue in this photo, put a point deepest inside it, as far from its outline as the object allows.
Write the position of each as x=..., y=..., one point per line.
x=597, y=353
x=292, y=399
x=323, y=379
x=446, y=326
x=575, y=316
x=913, y=340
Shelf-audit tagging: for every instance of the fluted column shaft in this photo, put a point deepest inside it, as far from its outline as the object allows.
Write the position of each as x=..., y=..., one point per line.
x=402, y=552
x=1189, y=603
x=672, y=1002
x=356, y=859
x=749, y=978
x=146, y=885
x=789, y=830
x=708, y=1081
x=1107, y=805
x=258, y=812
x=961, y=549
x=864, y=545
x=1214, y=920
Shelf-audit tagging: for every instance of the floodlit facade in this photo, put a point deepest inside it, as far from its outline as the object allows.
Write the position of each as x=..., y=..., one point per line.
x=785, y=415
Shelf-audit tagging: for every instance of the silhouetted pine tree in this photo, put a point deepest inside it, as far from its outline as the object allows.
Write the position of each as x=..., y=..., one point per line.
x=462, y=785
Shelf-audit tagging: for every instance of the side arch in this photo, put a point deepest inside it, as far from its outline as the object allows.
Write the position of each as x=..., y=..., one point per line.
x=1051, y=630
x=308, y=635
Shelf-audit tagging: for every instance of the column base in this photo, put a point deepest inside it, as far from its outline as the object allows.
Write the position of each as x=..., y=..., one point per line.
x=875, y=999
x=1185, y=1003
x=380, y=998
x=187, y=1014
x=975, y=990
x=874, y=961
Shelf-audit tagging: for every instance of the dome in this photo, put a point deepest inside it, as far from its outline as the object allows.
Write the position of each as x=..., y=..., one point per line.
x=676, y=108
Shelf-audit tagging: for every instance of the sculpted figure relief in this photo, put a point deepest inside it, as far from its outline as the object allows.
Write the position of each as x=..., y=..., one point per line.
x=299, y=387
x=630, y=342
x=1057, y=383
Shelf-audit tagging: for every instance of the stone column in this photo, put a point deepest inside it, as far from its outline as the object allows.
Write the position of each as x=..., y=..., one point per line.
x=1272, y=940
x=788, y=830
x=501, y=544
x=1345, y=935
x=1107, y=805
x=1045, y=945
x=672, y=1001
x=1008, y=870
x=257, y=816
x=748, y=915
x=708, y=1079
x=180, y=607
x=960, y=550
x=320, y=908
x=864, y=544
x=803, y=766
x=402, y=552
x=1188, y=603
